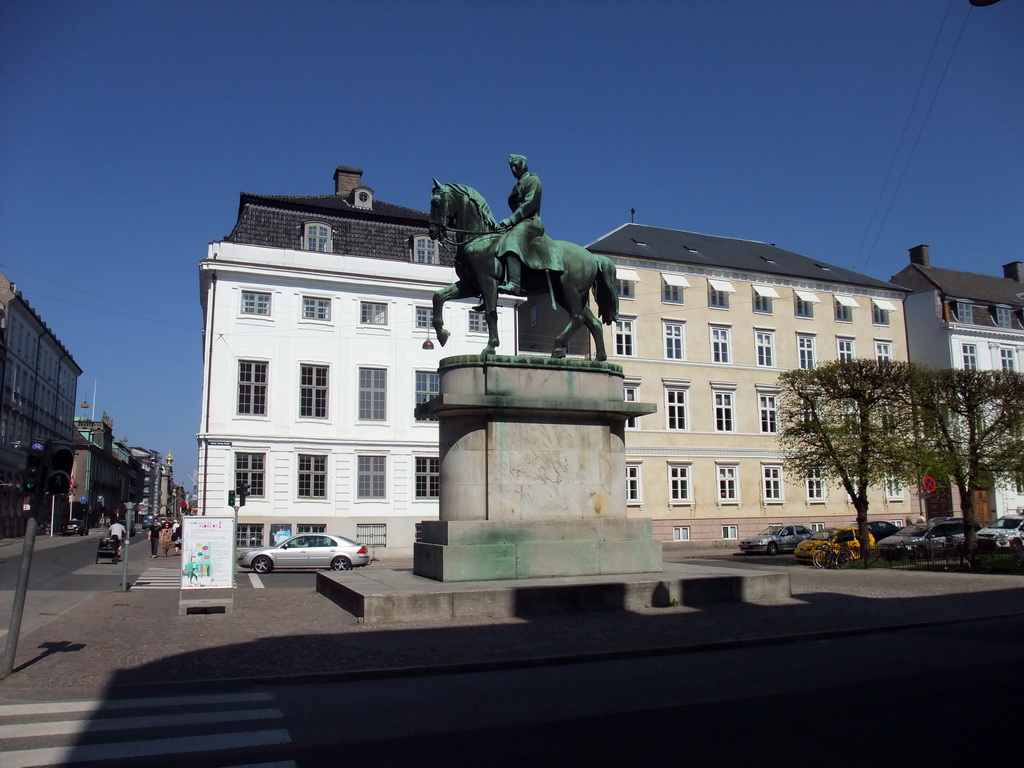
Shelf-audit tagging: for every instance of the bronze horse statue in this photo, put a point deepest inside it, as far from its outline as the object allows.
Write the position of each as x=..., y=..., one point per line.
x=462, y=211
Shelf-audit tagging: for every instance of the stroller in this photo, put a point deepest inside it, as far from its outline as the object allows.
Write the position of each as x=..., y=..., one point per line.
x=107, y=548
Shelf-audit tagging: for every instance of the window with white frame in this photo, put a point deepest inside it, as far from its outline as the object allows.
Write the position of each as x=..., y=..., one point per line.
x=883, y=350
x=893, y=489
x=373, y=313
x=301, y=528
x=763, y=296
x=250, y=468
x=1004, y=318
x=316, y=237
x=815, y=486
x=634, y=483
x=249, y=535
x=625, y=289
x=724, y=411
x=771, y=482
x=769, y=408
x=631, y=394
x=764, y=344
x=316, y=308
x=805, y=350
x=816, y=527
x=964, y=312
x=428, y=385
x=730, y=532
x=372, y=535
x=845, y=349
x=717, y=298
x=721, y=351
x=728, y=483
x=371, y=477
x=969, y=355
x=672, y=286
x=424, y=250
x=256, y=303
x=844, y=312
x=424, y=317
x=681, y=533
x=898, y=522
x=804, y=302
x=624, y=333
x=312, y=478
x=373, y=394
x=1007, y=359
x=477, y=322
x=252, y=387
x=428, y=477
x=880, y=312
x=675, y=407
x=679, y=483
x=313, y=391
x=675, y=348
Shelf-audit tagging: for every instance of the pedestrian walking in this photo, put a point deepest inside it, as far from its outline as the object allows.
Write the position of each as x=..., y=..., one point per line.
x=165, y=537
x=154, y=538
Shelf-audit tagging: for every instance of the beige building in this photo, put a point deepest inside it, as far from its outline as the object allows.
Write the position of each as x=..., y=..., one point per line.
x=706, y=326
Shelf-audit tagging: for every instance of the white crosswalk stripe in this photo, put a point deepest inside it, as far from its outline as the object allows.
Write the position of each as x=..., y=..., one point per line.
x=69, y=732
x=158, y=578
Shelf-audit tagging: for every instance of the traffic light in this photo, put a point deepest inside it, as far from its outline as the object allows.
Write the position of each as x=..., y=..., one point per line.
x=242, y=490
x=231, y=498
x=35, y=469
x=60, y=460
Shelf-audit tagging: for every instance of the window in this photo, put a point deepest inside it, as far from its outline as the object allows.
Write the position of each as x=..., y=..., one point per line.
x=634, y=486
x=880, y=311
x=844, y=313
x=681, y=533
x=674, y=341
x=424, y=317
x=771, y=482
x=250, y=468
x=301, y=528
x=428, y=384
x=373, y=313
x=764, y=343
x=428, y=477
x=805, y=301
x=1007, y=360
x=675, y=407
x=625, y=289
x=805, y=350
x=817, y=527
x=1003, y=317
x=769, y=408
x=845, y=347
x=679, y=483
x=249, y=535
x=315, y=308
x=631, y=394
x=624, y=330
x=477, y=322
x=312, y=476
x=893, y=489
x=763, y=295
x=252, y=388
x=317, y=237
x=672, y=286
x=371, y=477
x=883, y=350
x=373, y=392
x=719, y=299
x=815, y=488
x=313, y=391
x=963, y=312
x=372, y=534
x=729, y=532
x=534, y=316
x=970, y=356
x=723, y=411
x=424, y=250
x=255, y=303
x=728, y=489
x=720, y=347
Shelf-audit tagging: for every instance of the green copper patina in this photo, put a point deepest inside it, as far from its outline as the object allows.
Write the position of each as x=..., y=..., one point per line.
x=515, y=256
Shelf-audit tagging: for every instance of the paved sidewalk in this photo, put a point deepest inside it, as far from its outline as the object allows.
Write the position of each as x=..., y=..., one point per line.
x=137, y=638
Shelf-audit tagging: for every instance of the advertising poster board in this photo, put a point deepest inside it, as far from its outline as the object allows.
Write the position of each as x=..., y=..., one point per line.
x=207, y=552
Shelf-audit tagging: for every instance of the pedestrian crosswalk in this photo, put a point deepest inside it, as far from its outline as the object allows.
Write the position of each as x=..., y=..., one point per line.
x=177, y=729
x=158, y=578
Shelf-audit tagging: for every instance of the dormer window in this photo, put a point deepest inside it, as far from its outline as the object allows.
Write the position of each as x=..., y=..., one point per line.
x=362, y=197
x=424, y=250
x=963, y=312
x=1004, y=318
x=316, y=237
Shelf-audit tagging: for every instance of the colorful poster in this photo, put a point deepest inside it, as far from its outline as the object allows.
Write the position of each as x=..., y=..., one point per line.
x=207, y=552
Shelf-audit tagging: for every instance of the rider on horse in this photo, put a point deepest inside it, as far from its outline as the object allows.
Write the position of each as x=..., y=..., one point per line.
x=523, y=239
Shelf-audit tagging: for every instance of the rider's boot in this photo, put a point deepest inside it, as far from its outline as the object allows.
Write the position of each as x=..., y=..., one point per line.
x=513, y=271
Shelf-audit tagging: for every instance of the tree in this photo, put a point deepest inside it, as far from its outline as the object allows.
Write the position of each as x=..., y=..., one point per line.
x=849, y=419
x=970, y=428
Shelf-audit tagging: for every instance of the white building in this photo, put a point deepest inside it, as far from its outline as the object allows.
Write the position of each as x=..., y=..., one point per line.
x=317, y=315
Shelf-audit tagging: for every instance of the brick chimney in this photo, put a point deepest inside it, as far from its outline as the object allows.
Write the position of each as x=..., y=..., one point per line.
x=1014, y=270
x=346, y=179
x=919, y=255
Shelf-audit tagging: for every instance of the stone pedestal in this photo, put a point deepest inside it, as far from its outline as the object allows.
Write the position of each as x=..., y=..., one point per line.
x=532, y=473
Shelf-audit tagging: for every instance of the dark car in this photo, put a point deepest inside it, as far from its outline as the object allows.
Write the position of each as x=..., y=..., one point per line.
x=880, y=529
x=938, y=537
x=74, y=528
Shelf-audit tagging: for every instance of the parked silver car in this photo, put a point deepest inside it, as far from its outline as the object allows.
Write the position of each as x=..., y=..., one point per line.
x=309, y=550
x=1003, y=535
x=775, y=539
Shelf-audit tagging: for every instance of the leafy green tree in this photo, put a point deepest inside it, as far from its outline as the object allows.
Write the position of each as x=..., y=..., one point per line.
x=970, y=428
x=849, y=419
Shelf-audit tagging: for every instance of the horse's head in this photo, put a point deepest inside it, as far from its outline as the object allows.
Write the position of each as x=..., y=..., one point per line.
x=439, y=204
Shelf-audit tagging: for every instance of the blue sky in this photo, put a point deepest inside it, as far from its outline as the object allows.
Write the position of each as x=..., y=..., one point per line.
x=848, y=131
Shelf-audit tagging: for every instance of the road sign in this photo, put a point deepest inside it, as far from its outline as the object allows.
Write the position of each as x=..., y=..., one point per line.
x=928, y=484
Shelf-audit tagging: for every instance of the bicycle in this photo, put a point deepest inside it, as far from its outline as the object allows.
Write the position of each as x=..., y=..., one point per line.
x=833, y=556
x=1017, y=564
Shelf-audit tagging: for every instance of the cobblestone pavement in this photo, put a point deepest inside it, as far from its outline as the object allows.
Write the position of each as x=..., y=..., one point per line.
x=138, y=639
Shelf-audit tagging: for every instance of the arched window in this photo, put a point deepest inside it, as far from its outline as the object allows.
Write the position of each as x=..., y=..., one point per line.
x=316, y=237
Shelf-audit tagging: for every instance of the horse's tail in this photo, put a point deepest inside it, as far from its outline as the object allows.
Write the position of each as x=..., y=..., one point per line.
x=604, y=290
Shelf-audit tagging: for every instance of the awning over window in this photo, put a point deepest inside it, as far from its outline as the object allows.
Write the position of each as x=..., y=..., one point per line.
x=808, y=297
x=672, y=278
x=847, y=301
x=722, y=285
x=629, y=275
x=888, y=306
x=767, y=291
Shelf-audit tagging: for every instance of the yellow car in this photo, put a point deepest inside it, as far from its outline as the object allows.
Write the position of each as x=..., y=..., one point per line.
x=834, y=536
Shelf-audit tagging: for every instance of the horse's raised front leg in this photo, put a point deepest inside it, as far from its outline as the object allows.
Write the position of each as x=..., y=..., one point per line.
x=453, y=291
